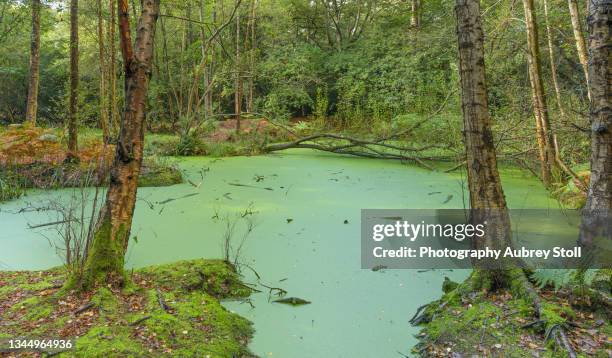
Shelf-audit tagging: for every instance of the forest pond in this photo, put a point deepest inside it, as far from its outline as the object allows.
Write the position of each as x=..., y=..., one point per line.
x=306, y=240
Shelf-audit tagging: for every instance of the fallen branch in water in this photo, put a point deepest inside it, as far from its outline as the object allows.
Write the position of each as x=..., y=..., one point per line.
x=377, y=149
x=51, y=223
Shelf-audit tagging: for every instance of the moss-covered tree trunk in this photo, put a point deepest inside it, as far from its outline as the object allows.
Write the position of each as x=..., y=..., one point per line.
x=106, y=256
x=599, y=200
x=487, y=199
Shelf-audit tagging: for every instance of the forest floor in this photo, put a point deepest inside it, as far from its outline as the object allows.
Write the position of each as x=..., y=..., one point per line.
x=165, y=310
x=499, y=325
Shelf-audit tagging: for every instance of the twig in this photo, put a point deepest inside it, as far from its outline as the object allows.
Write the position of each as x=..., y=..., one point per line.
x=416, y=319
x=83, y=308
x=162, y=302
x=139, y=321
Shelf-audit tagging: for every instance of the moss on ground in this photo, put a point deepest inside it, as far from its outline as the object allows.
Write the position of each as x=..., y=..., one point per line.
x=466, y=323
x=131, y=322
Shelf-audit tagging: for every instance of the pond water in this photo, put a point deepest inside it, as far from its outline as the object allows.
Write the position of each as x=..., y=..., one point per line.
x=300, y=242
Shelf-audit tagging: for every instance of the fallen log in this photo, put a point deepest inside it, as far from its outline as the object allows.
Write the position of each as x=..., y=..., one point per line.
x=377, y=149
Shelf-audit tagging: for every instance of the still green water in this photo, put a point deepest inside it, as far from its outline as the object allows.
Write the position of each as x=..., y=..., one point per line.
x=314, y=255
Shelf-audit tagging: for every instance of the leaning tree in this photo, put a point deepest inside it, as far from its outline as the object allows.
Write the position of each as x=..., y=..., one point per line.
x=106, y=255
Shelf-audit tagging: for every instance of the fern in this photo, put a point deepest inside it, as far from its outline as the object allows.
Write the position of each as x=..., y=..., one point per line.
x=558, y=278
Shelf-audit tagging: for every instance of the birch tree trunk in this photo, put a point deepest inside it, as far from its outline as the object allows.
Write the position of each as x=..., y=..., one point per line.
x=580, y=43
x=487, y=200
x=74, y=76
x=106, y=257
x=32, y=101
x=544, y=136
x=598, y=208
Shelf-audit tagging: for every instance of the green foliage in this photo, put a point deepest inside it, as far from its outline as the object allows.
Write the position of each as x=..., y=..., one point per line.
x=11, y=186
x=558, y=278
x=190, y=144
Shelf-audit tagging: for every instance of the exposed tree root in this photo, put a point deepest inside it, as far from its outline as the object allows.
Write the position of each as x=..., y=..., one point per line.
x=547, y=319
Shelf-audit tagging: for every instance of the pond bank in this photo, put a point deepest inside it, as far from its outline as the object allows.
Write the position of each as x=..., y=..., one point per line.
x=132, y=322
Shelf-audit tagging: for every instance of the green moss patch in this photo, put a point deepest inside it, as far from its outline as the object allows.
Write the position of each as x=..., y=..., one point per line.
x=464, y=323
x=168, y=310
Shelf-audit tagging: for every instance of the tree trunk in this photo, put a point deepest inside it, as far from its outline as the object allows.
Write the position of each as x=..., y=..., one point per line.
x=580, y=44
x=238, y=89
x=106, y=256
x=204, y=50
x=487, y=199
x=545, y=136
x=32, y=102
x=74, y=76
x=415, y=18
x=253, y=48
x=103, y=108
x=112, y=69
x=553, y=65
x=598, y=208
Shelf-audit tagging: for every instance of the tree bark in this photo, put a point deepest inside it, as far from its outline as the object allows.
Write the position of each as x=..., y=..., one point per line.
x=106, y=256
x=238, y=88
x=545, y=135
x=112, y=69
x=253, y=49
x=553, y=65
x=580, y=43
x=102, y=100
x=74, y=76
x=32, y=101
x=415, y=16
x=596, y=213
x=487, y=201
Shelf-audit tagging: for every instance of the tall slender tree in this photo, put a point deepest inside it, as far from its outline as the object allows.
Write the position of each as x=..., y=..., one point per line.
x=106, y=256
x=487, y=199
x=543, y=129
x=74, y=76
x=579, y=39
x=415, y=13
x=32, y=101
x=598, y=208
x=553, y=64
x=112, y=70
x=238, y=84
x=102, y=98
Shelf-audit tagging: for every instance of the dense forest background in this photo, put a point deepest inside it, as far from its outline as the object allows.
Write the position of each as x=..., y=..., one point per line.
x=373, y=65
